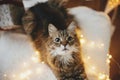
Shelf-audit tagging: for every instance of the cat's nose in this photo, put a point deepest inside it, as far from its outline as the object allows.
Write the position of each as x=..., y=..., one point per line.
x=64, y=43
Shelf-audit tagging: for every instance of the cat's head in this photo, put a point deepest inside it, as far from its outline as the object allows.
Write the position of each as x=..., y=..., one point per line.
x=62, y=42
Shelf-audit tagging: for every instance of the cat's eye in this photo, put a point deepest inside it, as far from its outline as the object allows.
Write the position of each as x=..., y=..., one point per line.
x=70, y=38
x=57, y=39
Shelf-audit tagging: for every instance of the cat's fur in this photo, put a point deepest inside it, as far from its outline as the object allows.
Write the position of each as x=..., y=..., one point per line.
x=64, y=54
x=37, y=19
x=57, y=42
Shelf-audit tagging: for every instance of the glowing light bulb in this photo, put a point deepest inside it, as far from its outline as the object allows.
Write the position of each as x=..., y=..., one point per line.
x=5, y=75
x=108, y=78
x=81, y=36
x=108, y=61
x=37, y=52
x=101, y=44
x=110, y=56
x=13, y=75
x=35, y=58
x=93, y=68
x=111, y=5
x=42, y=62
x=92, y=44
x=101, y=76
x=88, y=57
x=82, y=41
x=26, y=74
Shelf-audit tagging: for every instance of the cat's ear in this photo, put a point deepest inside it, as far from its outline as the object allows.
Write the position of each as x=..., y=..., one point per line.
x=51, y=29
x=72, y=27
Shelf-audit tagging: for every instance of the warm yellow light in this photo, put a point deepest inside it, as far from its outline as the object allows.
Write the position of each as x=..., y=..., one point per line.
x=111, y=5
x=5, y=75
x=42, y=62
x=88, y=57
x=108, y=61
x=110, y=56
x=26, y=74
x=93, y=68
x=35, y=58
x=92, y=44
x=101, y=44
x=101, y=76
x=108, y=78
x=38, y=70
x=22, y=76
x=81, y=36
x=13, y=75
x=82, y=41
x=37, y=52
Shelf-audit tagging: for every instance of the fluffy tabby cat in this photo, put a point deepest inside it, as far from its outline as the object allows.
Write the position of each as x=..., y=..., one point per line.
x=47, y=24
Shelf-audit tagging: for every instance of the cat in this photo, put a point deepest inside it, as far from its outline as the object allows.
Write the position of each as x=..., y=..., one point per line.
x=64, y=55
x=48, y=25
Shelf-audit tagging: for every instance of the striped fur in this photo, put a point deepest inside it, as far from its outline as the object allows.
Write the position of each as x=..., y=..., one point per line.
x=59, y=47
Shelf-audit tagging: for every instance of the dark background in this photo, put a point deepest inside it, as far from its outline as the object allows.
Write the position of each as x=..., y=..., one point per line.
x=100, y=6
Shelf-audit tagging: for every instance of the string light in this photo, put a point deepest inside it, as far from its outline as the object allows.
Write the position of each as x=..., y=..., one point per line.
x=109, y=56
x=92, y=68
x=82, y=41
x=81, y=36
x=101, y=76
x=42, y=62
x=35, y=58
x=26, y=74
x=102, y=45
x=108, y=78
x=92, y=44
x=37, y=52
x=88, y=58
x=111, y=5
x=5, y=75
x=14, y=76
x=108, y=59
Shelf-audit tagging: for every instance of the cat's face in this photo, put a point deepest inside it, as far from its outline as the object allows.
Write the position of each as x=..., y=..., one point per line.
x=62, y=42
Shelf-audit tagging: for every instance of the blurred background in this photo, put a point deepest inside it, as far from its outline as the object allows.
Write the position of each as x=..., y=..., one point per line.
x=98, y=5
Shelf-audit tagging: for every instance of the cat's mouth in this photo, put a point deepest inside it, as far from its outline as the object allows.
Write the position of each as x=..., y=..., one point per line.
x=65, y=49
